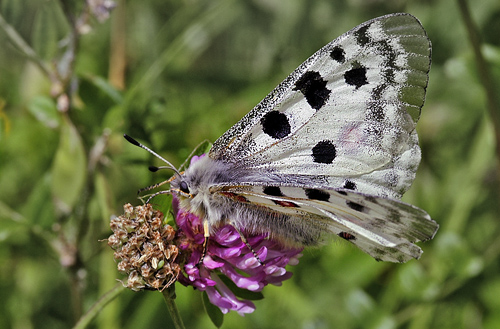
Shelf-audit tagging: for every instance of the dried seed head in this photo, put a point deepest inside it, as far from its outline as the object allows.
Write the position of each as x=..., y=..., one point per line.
x=144, y=247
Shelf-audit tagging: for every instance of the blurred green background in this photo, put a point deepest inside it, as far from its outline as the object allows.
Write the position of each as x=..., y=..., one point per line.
x=172, y=73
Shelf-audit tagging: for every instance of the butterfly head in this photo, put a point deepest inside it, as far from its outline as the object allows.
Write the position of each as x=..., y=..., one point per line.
x=181, y=187
x=184, y=187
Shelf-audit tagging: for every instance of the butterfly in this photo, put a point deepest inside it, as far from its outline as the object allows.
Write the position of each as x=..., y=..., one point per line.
x=330, y=151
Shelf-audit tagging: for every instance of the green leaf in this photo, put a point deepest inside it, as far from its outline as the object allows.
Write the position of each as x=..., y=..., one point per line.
x=202, y=148
x=69, y=167
x=37, y=210
x=360, y=304
x=44, y=109
x=47, y=29
x=114, y=118
x=104, y=86
x=13, y=228
x=163, y=203
x=169, y=218
x=214, y=313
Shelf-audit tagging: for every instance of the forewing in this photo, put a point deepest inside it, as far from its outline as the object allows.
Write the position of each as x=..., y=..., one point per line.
x=384, y=228
x=348, y=110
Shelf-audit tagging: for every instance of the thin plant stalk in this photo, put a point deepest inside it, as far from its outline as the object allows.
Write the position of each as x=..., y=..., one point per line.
x=488, y=82
x=169, y=297
x=99, y=305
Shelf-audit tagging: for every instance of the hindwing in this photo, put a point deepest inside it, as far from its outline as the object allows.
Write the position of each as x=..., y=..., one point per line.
x=384, y=228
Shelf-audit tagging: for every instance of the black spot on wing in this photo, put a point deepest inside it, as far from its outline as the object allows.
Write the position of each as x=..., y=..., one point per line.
x=338, y=54
x=356, y=76
x=275, y=124
x=346, y=236
x=276, y=191
x=355, y=206
x=273, y=190
x=313, y=87
x=315, y=194
x=362, y=35
x=324, y=152
x=349, y=185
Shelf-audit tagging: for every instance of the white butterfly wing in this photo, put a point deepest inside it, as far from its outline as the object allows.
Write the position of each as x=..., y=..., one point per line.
x=384, y=228
x=348, y=112
x=330, y=149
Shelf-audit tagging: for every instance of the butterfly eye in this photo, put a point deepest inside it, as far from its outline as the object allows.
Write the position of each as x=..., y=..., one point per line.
x=184, y=187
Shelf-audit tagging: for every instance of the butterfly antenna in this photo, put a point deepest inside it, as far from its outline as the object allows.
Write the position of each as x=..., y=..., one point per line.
x=152, y=168
x=155, y=169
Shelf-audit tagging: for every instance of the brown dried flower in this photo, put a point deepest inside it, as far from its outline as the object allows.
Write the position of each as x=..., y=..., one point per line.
x=143, y=245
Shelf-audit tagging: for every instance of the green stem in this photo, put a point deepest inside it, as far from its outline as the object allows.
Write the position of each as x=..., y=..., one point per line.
x=493, y=103
x=169, y=297
x=19, y=42
x=98, y=306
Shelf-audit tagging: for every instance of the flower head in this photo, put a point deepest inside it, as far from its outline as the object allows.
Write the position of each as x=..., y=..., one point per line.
x=227, y=254
x=143, y=244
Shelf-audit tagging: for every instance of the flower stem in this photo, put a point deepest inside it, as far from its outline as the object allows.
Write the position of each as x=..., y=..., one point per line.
x=169, y=297
x=23, y=46
x=484, y=71
x=98, y=306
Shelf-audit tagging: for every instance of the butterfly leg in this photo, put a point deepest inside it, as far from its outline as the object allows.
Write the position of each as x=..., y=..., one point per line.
x=244, y=239
x=158, y=193
x=206, y=234
x=152, y=187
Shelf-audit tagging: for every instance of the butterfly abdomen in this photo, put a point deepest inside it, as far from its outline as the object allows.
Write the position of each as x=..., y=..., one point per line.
x=289, y=230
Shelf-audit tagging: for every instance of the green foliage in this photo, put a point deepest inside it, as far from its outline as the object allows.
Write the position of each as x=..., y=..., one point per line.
x=213, y=311
x=174, y=73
